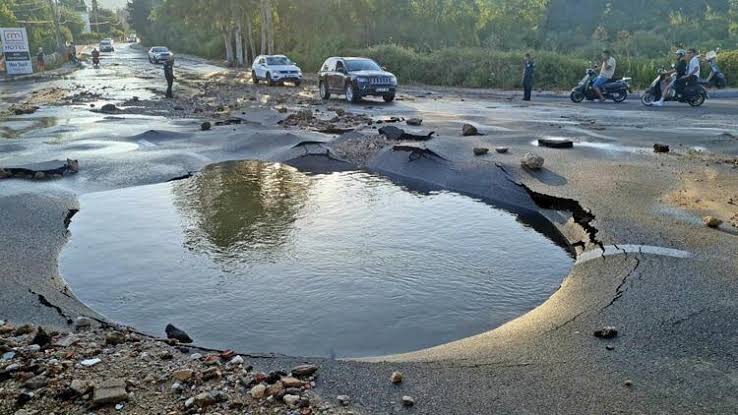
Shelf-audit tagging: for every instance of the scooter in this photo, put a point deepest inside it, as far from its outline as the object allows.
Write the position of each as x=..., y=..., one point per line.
x=615, y=90
x=693, y=95
x=716, y=79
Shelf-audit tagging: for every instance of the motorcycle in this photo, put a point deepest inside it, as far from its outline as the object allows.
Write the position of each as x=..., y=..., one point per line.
x=615, y=90
x=693, y=95
x=95, y=62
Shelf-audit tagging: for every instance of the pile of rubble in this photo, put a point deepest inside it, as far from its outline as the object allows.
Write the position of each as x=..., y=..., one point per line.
x=116, y=370
x=340, y=123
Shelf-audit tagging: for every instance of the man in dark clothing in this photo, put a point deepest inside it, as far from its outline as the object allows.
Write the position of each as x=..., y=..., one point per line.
x=528, y=67
x=169, y=75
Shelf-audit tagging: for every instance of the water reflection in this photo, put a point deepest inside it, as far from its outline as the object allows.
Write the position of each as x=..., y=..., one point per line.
x=235, y=212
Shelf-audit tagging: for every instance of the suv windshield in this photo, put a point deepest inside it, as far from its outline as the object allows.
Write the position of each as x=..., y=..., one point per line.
x=157, y=50
x=278, y=60
x=355, y=65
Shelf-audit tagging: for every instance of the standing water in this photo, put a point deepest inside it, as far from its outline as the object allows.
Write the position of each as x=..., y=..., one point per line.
x=260, y=257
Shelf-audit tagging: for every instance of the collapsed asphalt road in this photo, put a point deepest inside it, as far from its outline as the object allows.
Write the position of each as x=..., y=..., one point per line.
x=665, y=281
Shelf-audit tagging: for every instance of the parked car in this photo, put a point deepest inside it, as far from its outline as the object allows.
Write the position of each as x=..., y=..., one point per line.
x=356, y=78
x=275, y=69
x=159, y=54
x=106, y=45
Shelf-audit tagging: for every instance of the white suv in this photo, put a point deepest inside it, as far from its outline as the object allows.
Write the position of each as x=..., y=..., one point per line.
x=275, y=69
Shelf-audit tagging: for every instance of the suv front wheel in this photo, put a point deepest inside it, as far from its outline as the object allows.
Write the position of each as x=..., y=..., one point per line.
x=352, y=94
x=254, y=78
x=388, y=97
x=324, y=92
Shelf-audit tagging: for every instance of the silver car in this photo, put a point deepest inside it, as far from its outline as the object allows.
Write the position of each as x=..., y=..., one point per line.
x=159, y=54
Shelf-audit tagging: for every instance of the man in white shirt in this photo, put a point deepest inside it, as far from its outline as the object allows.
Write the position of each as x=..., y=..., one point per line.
x=692, y=77
x=607, y=72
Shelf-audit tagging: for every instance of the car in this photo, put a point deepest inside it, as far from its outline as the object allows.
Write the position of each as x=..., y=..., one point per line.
x=159, y=54
x=356, y=78
x=132, y=39
x=106, y=45
x=275, y=69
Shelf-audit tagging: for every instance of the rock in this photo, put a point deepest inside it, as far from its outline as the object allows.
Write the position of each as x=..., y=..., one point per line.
x=304, y=370
x=610, y=347
x=79, y=387
x=36, y=382
x=189, y=402
x=555, y=142
x=344, y=400
x=502, y=150
x=23, y=398
x=281, y=110
x=109, y=391
x=408, y=401
x=290, y=382
x=396, y=377
x=206, y=126
x=90, y=362
x=340, y=112
x=177, y=334
x=479, y=151
x=177, y=388
x=82, y=323
x=34, y=348
x=39, y=175
x=628, y=383
x=23, y=330
x=109, y=108
x=258, y=391
x=275, y=389
x=211, y=373
x=712, y=222
x=416, y=122
x=606, y=332
x=166, y=355
x=8, y=356
x=114, y=338
x=134, y=99
x=291, y=400
x=183, y=375
x=660, y=148
x=238, y=360
x=469, y=130
x=532, y=161
x=204, y=399
x=275, y=376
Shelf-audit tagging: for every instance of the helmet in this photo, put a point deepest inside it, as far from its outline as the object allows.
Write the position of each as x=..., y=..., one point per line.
x=680, y=52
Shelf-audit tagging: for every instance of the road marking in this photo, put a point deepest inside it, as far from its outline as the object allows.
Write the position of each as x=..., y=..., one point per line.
x=612, y=250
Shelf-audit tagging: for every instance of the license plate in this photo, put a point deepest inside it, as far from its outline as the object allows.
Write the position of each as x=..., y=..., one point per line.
x=382, y=89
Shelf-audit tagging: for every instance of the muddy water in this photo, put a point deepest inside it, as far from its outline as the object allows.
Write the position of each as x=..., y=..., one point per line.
x=260, y=257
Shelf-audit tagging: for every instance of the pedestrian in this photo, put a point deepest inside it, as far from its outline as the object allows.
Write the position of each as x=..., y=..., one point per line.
x=73, y=52
x=169, y=75
x=529, y=66
x=40, y=63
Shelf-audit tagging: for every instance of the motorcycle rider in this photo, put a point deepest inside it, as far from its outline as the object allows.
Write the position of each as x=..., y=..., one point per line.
x=95, y=56
x=681, y=69
x=607, y=72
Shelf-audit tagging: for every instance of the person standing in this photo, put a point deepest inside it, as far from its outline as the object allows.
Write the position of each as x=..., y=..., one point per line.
x=607, y=72
x=169, y=75
x=40, y=60
x=529, y=66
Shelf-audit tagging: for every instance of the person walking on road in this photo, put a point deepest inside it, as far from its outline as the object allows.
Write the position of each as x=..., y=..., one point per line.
x=528, y=67
x=169, y=75
x=40, y=60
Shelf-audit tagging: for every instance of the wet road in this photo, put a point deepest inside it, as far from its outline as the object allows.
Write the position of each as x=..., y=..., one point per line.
x=677, y=315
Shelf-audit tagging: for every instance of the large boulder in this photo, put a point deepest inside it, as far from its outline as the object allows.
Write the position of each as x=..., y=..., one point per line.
x=177, y=334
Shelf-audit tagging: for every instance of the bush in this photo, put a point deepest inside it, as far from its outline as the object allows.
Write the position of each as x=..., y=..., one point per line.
x=728, y=62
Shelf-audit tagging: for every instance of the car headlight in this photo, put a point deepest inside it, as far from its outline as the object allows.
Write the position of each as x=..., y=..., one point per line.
x=362, y=80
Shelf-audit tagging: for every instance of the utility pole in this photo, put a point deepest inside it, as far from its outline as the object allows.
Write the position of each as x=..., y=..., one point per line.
x=94, y=12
